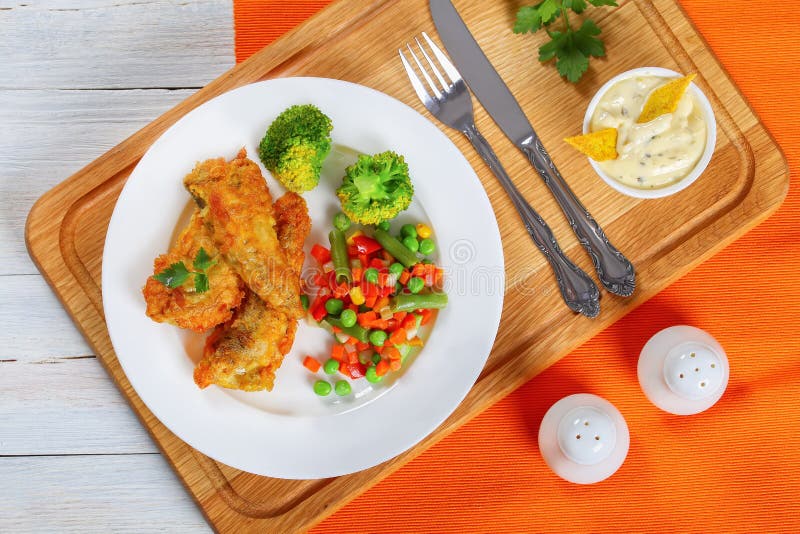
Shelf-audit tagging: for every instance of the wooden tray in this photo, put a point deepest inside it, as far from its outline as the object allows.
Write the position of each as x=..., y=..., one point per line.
x=357, y=40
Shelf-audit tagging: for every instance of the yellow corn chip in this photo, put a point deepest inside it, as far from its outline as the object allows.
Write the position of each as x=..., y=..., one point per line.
x=665, y=99
x=600, y=145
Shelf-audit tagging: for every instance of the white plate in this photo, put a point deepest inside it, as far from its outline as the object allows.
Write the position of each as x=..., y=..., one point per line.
x=290, y=432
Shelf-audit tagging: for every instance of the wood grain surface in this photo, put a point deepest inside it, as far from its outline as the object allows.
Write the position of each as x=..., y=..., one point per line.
x=745, y=182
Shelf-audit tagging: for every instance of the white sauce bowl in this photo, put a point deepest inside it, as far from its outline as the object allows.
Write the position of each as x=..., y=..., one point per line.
x=711, y=135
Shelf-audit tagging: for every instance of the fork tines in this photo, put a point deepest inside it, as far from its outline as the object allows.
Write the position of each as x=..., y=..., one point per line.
x=445, y=64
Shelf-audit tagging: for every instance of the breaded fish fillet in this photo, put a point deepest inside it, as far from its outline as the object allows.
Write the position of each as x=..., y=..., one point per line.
x=183, y=306
x=246, y=353
x=236, y=204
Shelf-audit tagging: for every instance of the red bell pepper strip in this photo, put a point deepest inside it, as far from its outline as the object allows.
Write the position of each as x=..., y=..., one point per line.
x=321, y=254
x=366, y=245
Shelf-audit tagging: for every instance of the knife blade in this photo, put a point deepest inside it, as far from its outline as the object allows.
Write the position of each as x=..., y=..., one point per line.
x=615, y=272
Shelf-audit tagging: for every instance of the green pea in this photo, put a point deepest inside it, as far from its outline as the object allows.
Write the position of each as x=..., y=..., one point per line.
x=342, y=388
x=341, y=221
x=396, y=268
x=416, y=284
x=371, y=275
x=411, y=243
x=331, y=367
x=377, y=337
x=376, y=358
x=371, y=375
x=334, y=306
x=322, y=388
x=383, y=225
x=408, y=230
x=304, y=301
x=427, y=246
x=348, y=317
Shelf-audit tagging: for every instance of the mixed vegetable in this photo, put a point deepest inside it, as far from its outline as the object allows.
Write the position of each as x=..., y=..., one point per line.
x=373, y=293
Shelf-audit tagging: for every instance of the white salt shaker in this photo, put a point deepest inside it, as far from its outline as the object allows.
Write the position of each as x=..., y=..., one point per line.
x=583, y=438
x=683, y=370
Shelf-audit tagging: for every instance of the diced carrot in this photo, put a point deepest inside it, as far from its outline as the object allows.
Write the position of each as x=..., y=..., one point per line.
x=438, y=277
x=398, y=337
x=311, y=364
x=377, y=264
x=379, y=350
x=379, y=324
x=383, y=279
x=370, y=301
x=392, y=353
x=409, y=322
x=336, y=329
x=360, y=346
x=337, y=353
x=381, y=303
x=426, y=316
x=415, y=341
x=395, y=365
x=351, y=341
x=357, y=272
x=405, y=276
x=400, y=316
x=386, y=291
x=340, y=291
x=387, y=257
x=366, y=318
x=418, y=270
x=382, y=368
x=352, y=357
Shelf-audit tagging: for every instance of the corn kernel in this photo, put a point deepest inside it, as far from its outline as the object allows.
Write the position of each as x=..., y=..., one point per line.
x=423, y=231
x=356, y=296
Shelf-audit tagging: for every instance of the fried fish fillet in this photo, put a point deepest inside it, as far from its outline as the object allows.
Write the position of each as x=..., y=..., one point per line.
x=236, y=205
x=246, y=353
x=183, y=306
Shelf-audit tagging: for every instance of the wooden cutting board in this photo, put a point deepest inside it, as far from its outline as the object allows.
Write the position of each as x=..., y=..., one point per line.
x=357, y=40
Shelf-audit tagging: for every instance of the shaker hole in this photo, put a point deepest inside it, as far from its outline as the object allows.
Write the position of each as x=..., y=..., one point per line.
x=578, y=436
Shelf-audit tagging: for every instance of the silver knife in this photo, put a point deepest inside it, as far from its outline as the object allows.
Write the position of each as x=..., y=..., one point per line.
x=615, y=272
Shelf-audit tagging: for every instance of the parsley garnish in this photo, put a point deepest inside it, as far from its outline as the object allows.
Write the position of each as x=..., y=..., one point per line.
x=571, y=48
x=177, y=273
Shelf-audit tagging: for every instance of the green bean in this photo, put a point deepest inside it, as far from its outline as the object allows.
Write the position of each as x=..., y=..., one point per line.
x=341, y=260
x=356, y=331
x=304, y=301
x=394, y=247
x=409, y=302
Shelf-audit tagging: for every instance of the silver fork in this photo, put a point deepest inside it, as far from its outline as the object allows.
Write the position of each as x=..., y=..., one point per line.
x=451, y=103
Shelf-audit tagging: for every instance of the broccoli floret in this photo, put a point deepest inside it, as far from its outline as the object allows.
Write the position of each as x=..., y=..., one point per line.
x=376, y=188
x=296, y=145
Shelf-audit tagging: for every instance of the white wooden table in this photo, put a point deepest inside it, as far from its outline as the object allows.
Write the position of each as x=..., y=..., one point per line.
x=76, y=78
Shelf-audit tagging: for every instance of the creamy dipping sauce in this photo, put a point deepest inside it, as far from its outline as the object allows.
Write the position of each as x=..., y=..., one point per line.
x=657, y=153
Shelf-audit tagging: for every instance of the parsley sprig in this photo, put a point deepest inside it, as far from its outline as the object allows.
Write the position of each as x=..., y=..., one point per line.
x=177, y=273
x=571, y=48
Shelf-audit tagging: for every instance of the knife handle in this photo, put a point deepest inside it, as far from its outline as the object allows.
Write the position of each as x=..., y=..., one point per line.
x=578, y=290
x=616, y=273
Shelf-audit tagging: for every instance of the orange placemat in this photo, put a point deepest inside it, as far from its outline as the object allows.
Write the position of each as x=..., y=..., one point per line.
x=733, y=468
